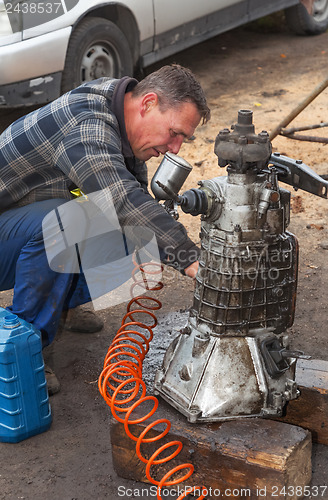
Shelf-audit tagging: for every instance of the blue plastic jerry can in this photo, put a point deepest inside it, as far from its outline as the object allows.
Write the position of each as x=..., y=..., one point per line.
x=24, y=401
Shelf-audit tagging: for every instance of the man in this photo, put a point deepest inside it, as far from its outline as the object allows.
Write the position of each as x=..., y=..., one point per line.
x=96, y=138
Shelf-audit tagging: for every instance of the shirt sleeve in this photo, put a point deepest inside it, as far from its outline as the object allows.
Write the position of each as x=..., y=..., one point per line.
x=90, y=155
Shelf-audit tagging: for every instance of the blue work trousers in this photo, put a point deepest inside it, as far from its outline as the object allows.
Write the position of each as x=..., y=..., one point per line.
x=40, y=294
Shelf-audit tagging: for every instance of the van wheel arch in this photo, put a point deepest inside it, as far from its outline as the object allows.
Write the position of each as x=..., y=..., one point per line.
x=97, y=48
x=302, y=23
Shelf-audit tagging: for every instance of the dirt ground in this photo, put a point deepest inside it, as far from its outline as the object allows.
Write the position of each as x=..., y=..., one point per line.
x=261, y=67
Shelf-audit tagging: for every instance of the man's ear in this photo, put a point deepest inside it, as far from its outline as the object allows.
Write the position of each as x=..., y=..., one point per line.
x=148, y=102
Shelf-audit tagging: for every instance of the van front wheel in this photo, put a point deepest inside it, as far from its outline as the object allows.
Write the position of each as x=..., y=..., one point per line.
x=97, y=48
x=301, y=22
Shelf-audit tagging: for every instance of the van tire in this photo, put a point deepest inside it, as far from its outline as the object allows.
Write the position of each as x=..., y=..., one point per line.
x=97, y=48
x=302, y=23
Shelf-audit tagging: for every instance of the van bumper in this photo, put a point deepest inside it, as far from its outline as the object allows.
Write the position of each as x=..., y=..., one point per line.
x=31, y=69
x=30, y=92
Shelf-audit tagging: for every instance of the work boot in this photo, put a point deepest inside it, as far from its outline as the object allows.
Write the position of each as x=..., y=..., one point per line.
x=82, y=320
x=53, y=383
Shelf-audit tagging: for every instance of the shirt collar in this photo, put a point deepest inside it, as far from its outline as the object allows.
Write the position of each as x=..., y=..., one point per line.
x=124, y=85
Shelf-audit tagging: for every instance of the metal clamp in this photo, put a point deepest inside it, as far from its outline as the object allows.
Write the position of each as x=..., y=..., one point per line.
x=300, y=176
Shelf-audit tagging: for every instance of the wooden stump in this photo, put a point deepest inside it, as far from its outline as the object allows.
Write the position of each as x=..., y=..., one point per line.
x=246, y=458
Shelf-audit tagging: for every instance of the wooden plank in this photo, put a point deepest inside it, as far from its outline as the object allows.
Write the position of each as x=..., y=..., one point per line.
x=252, y=458
x=310, y=410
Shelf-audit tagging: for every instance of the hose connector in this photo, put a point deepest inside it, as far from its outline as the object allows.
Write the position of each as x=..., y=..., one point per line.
x=194, y=202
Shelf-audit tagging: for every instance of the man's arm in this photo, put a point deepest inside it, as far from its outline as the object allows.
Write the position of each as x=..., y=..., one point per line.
x=90, y=155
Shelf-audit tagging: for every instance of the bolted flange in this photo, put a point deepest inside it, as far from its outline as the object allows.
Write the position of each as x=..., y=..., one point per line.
x=242, y=148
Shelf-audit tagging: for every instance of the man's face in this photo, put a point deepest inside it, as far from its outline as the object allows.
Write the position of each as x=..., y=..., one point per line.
x=161, y=131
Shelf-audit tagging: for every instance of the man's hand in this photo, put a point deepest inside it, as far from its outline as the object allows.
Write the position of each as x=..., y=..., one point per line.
x=191, y=270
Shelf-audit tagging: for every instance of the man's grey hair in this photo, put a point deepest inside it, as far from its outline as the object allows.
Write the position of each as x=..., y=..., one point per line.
x=174, y=85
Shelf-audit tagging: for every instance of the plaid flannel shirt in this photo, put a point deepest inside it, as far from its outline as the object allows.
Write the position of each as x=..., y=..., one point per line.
x=76, y=141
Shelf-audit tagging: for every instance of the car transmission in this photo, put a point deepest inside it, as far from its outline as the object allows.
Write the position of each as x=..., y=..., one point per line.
x=232, y=359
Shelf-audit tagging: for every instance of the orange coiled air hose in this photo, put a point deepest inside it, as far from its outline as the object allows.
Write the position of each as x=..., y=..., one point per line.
x=121, y=385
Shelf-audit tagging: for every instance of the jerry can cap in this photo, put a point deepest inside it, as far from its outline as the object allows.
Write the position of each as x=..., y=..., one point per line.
x=11, y=321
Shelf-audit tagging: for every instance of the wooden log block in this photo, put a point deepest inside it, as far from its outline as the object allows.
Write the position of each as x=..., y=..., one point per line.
x=310, y=410
x=246, y=458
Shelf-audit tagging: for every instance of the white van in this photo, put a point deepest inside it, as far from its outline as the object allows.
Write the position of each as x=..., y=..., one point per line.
x=50, y=46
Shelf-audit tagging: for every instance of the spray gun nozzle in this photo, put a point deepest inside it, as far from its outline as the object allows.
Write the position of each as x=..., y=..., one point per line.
x=193, y=201
x=168, y=191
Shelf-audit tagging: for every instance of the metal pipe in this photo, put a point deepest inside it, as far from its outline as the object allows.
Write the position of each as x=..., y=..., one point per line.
x=288, y=131
x=296, y=111
x=309, y=138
